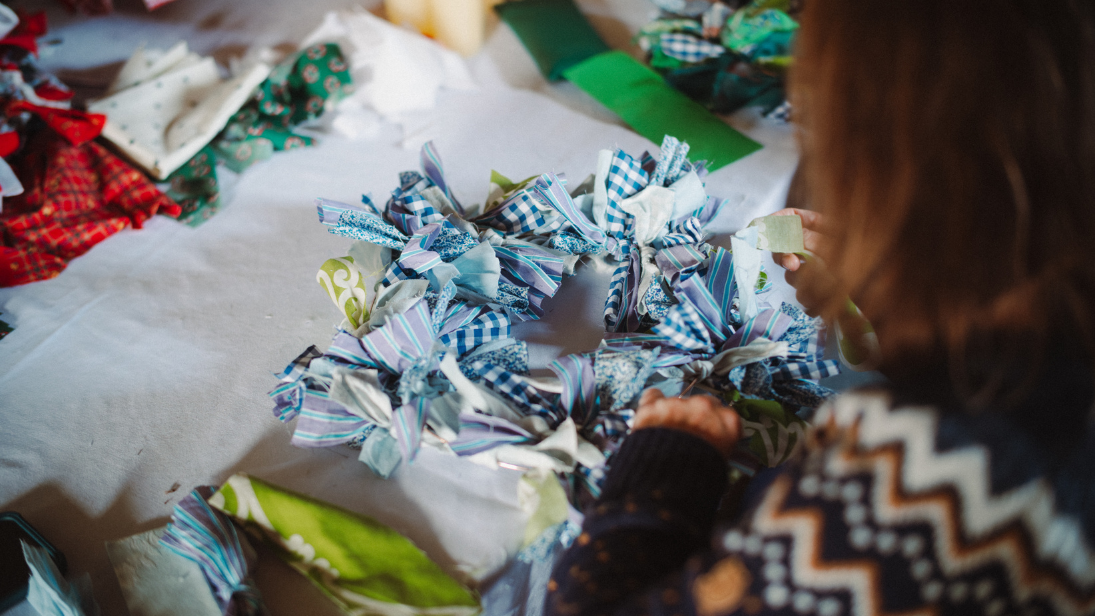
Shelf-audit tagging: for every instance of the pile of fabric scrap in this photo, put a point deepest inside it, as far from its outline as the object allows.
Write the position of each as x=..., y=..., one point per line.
x=172, y=114
x=63, y=192
x=722, y=55
x=203, y=565
x=425, y=357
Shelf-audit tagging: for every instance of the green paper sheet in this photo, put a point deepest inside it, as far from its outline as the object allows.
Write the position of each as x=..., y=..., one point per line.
x=554, y=32
x=654, y=109
x=364, y=566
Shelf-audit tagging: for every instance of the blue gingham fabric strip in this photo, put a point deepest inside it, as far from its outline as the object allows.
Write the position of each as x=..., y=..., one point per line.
x=688, y=48
x=296, y=368
x=683, y=328
x=579, y=394
x=480, y=433
x=199, y=533
x=394, y=274
x=626, y=177
x=807, y=369
x=325, y=423
x=417, y=255
x=432, y=167
x=551, y=192
x=408, y=422
x=520, y=392
x=679, y=263
x=520, y=213
x=404, y=338
x=486, y=327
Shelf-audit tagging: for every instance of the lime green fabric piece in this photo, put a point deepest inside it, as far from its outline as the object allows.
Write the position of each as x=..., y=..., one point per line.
x=364, y=566
x=772, y=433
x=346, y=287
x=779, y=233
x=554, y=32
x=654, y=109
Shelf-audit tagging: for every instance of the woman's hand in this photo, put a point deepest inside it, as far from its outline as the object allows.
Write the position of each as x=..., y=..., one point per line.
x=811, y=237
x=701, y=416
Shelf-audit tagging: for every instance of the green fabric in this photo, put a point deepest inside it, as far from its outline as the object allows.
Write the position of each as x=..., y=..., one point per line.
x=554, y=32
x=297, y=90
x=750, y=26
x=194, y=187
x=772, y=432
x=779, y=233
x=654, y=109
x=5, y=329
x=364, y=566
x=346, y=287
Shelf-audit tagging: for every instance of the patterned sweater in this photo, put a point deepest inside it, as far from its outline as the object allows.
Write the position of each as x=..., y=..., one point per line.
x=889, y=510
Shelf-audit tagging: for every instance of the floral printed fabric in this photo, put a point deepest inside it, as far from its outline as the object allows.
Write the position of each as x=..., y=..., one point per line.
x=296, y=91
x=74, y=198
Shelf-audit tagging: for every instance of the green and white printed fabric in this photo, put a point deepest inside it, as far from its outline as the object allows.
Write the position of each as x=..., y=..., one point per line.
x=365, y=567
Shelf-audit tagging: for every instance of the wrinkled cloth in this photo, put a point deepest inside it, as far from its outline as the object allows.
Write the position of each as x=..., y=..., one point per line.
x=360, y=564
x=722, y=58
x=298, y=90
x=75, y=197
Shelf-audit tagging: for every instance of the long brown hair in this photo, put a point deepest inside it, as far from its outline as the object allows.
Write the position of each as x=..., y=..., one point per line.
x=951, y=146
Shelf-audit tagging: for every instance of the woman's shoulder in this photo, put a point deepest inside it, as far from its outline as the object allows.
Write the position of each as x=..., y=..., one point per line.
x=970, y=497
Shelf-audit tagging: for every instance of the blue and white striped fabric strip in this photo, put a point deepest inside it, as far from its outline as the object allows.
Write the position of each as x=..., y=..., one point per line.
x=459, y=314
x=404, y=338
x=329, y=211
x=770, y=324
x=678, y=263
x=621, y=312
x=551, y=192
x=720, y=281
x=417, y=255
x=694, y=290
x=523, y=271
x=480, y=433
x=684, y=329
x=518, y=214
x=408, y=421
x=579, y=395
x=807, y=369
x=432, y=167
x=199, y=533
x=486, y=327
x=616, y=424
x=349, y=349
x=626, y=177
x=688, y=48
x=683, y=232
x=369, y=228
x=648, y=163
x=710, y=210
x=326, y=423
x=288, y=399
x=589, y=481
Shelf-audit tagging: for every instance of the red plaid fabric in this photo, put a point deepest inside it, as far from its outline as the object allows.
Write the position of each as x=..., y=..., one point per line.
x=75, y=197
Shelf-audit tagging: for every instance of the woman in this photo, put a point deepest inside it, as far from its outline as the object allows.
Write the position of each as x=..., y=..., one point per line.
x=949, y=151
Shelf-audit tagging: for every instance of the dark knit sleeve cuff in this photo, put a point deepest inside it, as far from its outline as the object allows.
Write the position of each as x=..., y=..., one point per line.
x=682, y=471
